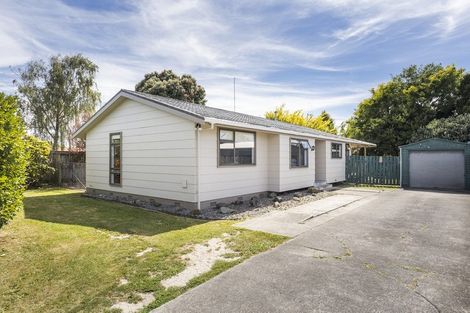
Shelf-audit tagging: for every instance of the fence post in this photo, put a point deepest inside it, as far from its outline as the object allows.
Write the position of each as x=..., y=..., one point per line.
x=59, y=178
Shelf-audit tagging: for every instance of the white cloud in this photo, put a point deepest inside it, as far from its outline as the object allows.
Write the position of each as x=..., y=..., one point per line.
x=216, y=42
x=370, y=17
x=253, y=97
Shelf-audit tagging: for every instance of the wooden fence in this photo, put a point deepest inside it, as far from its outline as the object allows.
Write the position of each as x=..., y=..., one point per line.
x=71, y=174
x=373, y=170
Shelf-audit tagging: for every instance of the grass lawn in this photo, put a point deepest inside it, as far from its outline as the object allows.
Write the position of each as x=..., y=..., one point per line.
x=62, y=253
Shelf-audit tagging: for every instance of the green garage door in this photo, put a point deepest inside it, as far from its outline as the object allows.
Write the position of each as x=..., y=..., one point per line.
x=437, y=169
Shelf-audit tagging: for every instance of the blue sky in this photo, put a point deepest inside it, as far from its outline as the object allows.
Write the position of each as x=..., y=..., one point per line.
x=310, y=55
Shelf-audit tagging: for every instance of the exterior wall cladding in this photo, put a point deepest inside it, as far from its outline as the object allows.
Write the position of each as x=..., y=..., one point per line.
x=165, y=159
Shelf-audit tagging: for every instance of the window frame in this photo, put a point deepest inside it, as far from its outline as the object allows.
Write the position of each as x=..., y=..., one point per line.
x=234, y=147
x=111, y=169
x=290, y=153
x=340, y=150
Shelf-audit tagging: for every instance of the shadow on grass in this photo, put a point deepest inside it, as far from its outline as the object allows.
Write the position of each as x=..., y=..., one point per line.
x=74, y=209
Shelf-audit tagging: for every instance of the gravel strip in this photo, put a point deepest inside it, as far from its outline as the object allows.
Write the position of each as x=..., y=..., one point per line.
x=259, y=206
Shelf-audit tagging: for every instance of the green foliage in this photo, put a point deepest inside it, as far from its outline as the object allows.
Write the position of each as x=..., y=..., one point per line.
x=453, y=128
x=53, y=95
x=409, y=101
x=325, y=123
x=38, y=169
x=12, y=158
x=322, y=122
x=463, y=105
x=168, y=84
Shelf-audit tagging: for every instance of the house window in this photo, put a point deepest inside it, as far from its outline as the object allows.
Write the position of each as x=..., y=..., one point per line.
x=236, y=147
x=336, y=151
x=115, y=164
x=299, y=152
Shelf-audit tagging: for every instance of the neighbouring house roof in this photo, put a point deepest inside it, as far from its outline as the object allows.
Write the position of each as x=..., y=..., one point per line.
x=208, y=114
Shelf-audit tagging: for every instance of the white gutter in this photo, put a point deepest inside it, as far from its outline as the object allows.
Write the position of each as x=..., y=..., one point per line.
x=215, y=121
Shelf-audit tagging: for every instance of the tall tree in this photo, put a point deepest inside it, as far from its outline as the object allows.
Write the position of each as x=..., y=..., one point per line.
x=322, y=122
x=168, y=84
x=409, y=101
x=53, y=94
x=77, y=144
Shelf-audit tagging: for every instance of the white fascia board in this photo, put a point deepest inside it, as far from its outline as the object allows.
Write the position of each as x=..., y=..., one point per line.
x=219, y=122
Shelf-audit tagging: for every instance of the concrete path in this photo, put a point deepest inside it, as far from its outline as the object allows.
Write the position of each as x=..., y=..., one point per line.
x=294, y=221
x=403, y=251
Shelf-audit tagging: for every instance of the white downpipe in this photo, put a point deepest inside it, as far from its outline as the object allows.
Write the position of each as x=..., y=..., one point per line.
x=198, y=129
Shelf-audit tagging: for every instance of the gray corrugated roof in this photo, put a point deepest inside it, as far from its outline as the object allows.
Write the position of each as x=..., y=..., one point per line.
x=204, y=111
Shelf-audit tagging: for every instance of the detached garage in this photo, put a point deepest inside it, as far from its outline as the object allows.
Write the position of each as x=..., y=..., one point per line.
x=435, y=163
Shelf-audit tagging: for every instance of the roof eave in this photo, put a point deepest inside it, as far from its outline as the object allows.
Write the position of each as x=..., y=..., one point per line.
x=215, y=121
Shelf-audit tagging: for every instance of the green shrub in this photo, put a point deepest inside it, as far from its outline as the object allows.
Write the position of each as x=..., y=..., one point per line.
x=39, y=169
x=12, y=158
x=452, y=128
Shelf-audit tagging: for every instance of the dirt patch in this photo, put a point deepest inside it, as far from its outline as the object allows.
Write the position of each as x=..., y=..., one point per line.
x=144, y=252
x=200, y=260
x=119, y=237
x=123, y=281
x=126, y=307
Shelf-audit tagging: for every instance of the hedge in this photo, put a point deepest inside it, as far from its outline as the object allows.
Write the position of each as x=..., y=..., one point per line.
x=39, y=169
x=13, y=158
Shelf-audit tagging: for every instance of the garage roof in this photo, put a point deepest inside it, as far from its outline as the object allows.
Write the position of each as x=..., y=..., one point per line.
x=431, y=142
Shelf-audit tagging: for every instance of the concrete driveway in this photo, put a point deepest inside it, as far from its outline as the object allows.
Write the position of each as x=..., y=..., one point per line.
x=404, y=251
x=297, y=220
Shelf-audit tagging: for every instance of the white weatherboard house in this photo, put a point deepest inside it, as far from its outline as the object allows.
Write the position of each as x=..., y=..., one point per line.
x=185, y=155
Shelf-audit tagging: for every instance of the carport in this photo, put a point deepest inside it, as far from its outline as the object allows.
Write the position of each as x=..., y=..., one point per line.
x=435, y=163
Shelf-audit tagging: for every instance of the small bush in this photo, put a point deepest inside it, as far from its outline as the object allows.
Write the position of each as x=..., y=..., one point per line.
x=39, y=169
x=12, y=158
x=452, y=128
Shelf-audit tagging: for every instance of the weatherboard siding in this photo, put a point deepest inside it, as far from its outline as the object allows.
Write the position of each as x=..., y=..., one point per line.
x=216, y=182
x=158, y=153
x=294, y=178
x=272, y=171
x=335, y=168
